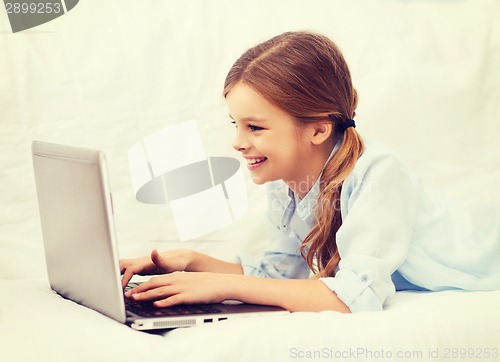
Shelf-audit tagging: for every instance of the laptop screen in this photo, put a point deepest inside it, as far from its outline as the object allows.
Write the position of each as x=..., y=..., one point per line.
x=77, y=226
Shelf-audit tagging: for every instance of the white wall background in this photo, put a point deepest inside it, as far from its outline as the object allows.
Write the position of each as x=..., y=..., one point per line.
x=112, y=71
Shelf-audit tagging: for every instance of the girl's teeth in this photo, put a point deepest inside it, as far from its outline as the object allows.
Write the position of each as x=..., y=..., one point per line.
x=253, y=161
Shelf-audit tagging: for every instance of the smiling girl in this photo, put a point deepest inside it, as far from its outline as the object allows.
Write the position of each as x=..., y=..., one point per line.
x=346, y=210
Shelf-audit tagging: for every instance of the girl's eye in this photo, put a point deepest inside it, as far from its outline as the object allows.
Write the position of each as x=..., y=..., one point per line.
x=250, y=127
x=254, y=128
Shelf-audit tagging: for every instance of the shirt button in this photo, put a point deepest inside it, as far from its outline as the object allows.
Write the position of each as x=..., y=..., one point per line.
x=365, y=278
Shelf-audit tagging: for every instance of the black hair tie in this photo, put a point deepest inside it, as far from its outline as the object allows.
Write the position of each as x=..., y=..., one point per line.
x=346, y=124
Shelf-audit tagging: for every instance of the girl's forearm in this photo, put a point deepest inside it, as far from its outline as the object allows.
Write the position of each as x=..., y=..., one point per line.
x=292, y=294
x=204, y=263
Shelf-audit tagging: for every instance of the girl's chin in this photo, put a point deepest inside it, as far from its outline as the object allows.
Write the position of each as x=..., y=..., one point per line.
x=259, y=180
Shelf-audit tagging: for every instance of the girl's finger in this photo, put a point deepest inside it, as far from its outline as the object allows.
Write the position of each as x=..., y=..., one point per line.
x=154, y=294
x=127, y=275
x=153, y=283
x=158, y=260
x=168, y=302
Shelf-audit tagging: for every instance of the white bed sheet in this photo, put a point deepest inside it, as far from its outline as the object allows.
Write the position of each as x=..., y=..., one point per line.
x=38, y=325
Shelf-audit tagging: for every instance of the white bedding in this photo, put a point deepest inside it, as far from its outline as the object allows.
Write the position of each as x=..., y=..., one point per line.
x=110, y=72
x=41, y=326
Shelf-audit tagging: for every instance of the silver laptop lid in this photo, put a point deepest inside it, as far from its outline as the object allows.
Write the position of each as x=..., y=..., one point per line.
x=77, y=226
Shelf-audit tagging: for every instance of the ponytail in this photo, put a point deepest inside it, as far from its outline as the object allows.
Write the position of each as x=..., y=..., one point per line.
x=319, y=248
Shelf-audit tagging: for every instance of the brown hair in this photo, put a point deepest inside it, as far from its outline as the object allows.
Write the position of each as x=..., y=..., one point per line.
x=306, y=75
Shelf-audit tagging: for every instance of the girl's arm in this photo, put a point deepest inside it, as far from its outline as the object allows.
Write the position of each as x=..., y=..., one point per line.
x=205, y=263
x=291, y=294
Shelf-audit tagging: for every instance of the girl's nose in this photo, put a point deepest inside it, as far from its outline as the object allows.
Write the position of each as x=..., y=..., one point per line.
x=240, y=143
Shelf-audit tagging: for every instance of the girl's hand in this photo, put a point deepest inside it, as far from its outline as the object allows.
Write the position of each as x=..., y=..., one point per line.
x=156, y=263
x=183, y=288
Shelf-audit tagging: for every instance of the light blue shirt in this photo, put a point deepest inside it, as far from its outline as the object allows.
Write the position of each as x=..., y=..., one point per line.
x=395, y=235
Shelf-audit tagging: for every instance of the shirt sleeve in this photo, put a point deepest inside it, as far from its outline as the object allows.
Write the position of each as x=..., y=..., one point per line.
x=281, y=259
x=379, y=201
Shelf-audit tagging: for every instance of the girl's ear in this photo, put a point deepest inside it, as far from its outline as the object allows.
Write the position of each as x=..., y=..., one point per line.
x=321, y=132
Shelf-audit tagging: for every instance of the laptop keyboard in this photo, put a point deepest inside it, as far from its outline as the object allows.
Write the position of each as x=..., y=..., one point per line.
x=147, y=309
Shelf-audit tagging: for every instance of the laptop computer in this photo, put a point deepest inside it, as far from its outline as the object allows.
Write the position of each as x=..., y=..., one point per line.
x=76, y=214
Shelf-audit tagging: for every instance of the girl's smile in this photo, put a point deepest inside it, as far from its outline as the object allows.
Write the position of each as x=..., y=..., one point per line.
x=255, y=162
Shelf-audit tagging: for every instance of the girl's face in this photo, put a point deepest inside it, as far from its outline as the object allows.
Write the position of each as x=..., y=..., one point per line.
x=270, y=141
